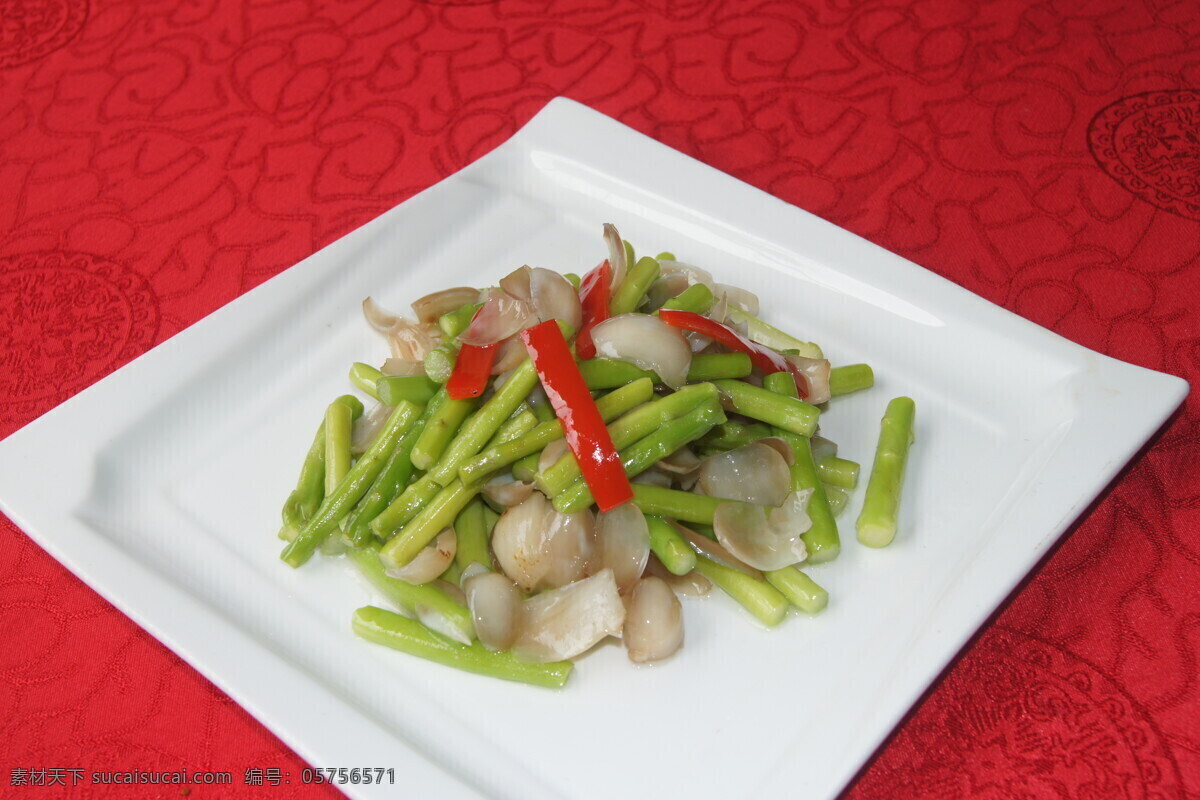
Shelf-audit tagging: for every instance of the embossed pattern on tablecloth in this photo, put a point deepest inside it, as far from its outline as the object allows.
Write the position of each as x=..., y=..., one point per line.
x=158, y=158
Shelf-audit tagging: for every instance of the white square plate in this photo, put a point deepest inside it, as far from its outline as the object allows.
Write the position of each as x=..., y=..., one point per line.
x=167, y=499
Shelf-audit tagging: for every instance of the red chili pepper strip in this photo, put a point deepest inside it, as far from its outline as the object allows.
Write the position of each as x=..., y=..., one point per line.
x=471, y=370
x=761, y=356
x=594, y=292
x=585, y=431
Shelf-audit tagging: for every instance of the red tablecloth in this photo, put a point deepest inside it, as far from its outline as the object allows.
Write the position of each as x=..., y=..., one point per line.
x=157, y=158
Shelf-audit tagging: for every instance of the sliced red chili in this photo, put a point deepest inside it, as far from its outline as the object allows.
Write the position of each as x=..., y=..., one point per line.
x=586, y=434
x=761, y=356
x=471, y=370
x=594, y=294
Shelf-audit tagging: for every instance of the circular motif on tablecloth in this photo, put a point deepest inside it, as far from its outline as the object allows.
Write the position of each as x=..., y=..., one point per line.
x=1150, y=144
x=32, y=29
x=66, y=319
x=1021, y=717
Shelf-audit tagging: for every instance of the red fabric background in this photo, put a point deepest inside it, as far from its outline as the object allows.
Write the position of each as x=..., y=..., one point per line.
x=159, y=157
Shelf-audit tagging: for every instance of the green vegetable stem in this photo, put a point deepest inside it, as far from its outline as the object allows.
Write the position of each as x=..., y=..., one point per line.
x=881, y=504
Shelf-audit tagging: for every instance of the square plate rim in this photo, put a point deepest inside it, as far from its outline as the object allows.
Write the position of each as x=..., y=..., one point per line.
x=99, y=562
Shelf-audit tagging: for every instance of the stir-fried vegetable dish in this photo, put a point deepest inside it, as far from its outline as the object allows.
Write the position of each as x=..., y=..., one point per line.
x=557, y=459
